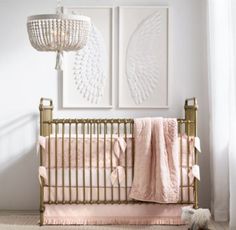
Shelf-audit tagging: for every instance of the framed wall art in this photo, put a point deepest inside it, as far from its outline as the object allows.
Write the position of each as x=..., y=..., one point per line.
x=143, y=57
x=88, y=73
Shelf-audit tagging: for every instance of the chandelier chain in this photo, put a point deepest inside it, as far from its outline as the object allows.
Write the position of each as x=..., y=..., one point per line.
x=59, y=3
x=58, y=7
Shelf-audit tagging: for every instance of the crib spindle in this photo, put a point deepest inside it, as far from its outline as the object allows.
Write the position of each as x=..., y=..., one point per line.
x=77, y=166
x=70, y=192
x=126, y=182
x=88, y=128
x=84, y=163
x=104, y=163
x=181, y=162
x=56, y=166
x=90, y=161
x=118, y=164
x=133, y=150
x=63, y=163
x=98, y=186
x=49, y=163
x=111, y=161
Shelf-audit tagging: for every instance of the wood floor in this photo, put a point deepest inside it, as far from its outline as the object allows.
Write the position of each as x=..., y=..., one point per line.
x=19, y=221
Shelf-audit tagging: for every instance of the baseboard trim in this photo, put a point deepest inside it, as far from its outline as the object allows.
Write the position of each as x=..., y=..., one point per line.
x=19, y=212
x=221, y=215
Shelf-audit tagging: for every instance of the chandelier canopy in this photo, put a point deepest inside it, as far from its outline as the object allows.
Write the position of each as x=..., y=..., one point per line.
x=58, y=32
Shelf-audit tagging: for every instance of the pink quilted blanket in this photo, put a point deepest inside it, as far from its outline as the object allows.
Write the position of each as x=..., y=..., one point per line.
x=156, y=168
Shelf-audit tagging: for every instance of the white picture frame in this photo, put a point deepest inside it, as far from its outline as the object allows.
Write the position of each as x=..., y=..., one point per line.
x=132, y=20
x=103, y=19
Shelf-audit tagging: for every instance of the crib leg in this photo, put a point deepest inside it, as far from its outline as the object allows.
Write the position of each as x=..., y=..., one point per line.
x=42, y=207
x=41, y=216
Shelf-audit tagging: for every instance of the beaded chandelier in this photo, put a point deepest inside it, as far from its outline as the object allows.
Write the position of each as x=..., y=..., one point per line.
x=58, y=32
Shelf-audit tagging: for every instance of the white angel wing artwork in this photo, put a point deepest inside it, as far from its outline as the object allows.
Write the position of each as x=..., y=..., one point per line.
x=142, y=60
x=89, y=67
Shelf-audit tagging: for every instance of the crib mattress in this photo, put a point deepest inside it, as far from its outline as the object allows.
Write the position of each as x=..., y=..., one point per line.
x=97, y=176
x=110, y=192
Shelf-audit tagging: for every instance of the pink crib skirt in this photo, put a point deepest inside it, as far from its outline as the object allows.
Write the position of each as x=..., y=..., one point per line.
x=137, y=214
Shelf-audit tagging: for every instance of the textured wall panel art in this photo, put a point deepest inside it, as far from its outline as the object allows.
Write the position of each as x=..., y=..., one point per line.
x=87, y=76
x=143, y=57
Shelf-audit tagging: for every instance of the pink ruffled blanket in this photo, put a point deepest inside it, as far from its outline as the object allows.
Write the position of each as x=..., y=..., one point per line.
x=156, y=168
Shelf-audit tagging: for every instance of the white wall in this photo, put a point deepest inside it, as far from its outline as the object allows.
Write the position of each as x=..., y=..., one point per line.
x=26, y=75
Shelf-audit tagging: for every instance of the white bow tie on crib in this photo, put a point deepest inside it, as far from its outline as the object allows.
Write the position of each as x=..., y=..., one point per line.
x=42, y=174
x=119, y=146
x=118, y=174
x=197, y=144
x=194, y=172
x=41, y=142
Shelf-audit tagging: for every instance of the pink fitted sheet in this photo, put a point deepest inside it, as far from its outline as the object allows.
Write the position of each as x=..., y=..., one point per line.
x=138, y=214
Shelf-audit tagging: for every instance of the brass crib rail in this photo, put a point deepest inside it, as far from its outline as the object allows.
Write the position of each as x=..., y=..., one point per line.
x=102, y=128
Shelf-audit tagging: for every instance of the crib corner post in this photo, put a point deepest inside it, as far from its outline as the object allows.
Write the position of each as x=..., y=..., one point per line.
x=191, y=108
x=46, y=114
x=191, y=115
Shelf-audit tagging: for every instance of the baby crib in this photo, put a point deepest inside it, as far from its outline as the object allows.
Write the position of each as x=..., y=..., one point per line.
x=77, y=161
